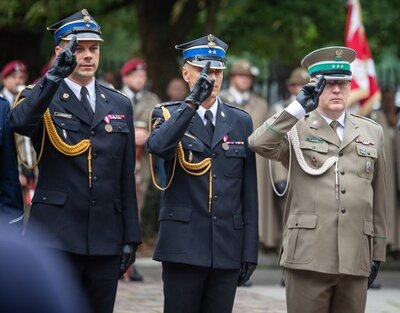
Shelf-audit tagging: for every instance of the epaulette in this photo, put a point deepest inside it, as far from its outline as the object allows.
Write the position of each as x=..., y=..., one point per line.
x=235, y=107
x=30, y=86
x=168, y=104
x=110, y=88
x=364, y=118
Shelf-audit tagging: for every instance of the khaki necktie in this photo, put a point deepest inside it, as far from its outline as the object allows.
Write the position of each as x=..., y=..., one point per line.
x=334, y=125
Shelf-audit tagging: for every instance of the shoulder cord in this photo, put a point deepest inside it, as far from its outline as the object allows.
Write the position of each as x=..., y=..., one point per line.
x=287, y=177
x=333, y=160
x=60, y=145
x=195, y=169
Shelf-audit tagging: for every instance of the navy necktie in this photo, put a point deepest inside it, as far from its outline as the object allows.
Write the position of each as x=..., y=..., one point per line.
x=85, y=102
x=209, y=125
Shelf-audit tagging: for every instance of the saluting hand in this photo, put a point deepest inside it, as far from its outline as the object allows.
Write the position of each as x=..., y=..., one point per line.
x=65, y=62
x=202, y=88
x=308, y=96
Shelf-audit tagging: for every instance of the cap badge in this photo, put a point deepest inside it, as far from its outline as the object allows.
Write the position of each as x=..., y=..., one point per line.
x=338, y=54
x=211, y=42
x=86, y=17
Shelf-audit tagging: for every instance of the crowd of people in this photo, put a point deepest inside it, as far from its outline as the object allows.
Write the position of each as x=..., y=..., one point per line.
x=305, y=177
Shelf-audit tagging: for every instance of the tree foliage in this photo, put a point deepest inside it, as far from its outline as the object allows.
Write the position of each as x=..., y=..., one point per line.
x=277, y=31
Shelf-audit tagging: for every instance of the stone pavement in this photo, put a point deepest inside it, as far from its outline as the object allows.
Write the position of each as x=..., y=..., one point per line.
x=266, y=295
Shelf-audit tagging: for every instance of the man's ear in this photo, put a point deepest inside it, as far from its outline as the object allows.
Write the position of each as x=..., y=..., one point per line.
x=185, y=74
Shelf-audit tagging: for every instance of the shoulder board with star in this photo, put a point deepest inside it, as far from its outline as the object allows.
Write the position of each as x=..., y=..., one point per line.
x=236, y=108
x=364, y=118
x=113, y=90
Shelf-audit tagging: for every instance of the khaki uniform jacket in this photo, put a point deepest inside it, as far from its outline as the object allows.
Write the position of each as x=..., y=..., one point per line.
x=330, y=229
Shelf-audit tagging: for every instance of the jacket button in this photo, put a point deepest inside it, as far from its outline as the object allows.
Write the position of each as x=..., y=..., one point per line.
x=92, y=132
x=216, y=197
x=44, y=198
x=94, y=178
x=342, y=172
x=214, y=176
x=214, y=155
x=215, y=218
x=94, y=155
x=171, y=214
x=93, y=202
x=340, y=153
x=343, y=210
x=343, y=191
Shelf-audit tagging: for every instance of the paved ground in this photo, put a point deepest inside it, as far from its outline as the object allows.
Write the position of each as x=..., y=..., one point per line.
x=266, y=295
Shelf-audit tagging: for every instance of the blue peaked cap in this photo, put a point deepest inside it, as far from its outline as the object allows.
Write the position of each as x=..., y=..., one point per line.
x=81, y=24
x=208, y=48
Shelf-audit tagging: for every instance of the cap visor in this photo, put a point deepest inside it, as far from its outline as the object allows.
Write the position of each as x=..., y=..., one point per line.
x=338, y=77
x=84, y=37
x=214, y=64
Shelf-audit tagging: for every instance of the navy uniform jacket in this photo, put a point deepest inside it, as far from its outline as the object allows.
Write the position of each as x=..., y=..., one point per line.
x=11, y=206
x=79, y=219
x=188, y=232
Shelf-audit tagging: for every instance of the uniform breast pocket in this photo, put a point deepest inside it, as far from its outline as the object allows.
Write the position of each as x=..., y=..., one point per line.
x=366, y=157
x=193, y=148
x=118, y=127
x=315, y=153
x=67, y=124
x=235, y=156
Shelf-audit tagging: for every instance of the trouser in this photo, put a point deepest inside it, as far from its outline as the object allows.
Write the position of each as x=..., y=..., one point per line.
x=195, y=289
x=314, y=292
x=99, y=277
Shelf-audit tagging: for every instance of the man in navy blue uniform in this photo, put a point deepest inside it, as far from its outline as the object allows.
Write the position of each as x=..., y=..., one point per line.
x=11, y=205
x=208, y=235
x=85, y=201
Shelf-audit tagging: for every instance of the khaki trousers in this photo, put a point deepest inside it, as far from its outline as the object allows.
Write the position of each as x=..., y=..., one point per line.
x=313, y=292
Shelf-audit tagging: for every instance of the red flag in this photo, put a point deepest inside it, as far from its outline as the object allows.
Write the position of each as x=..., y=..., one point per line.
x=364, y=86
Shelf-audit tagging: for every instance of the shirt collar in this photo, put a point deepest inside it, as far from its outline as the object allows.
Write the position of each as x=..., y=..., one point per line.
x=240, y=97
x=202, y=111
x=76, y=88
x=340, y=119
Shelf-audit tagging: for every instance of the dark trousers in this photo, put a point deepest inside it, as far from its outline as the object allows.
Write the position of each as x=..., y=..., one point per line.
x=195, y=289
x=99, y=277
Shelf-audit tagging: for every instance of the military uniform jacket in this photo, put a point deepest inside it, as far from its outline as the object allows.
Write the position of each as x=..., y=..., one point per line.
x=189, y=233
x=76, y=218
x=11, y=206
x=329, y=228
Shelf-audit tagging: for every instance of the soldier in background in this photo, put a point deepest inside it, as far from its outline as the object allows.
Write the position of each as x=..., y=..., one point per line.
x=11, y=207
x=15, y=77
x=134, y=78
x=240, y=93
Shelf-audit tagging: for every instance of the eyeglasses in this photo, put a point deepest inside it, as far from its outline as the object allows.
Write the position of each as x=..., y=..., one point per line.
x=342, y=84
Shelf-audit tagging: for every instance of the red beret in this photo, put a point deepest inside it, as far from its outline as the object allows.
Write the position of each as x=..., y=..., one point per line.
x=133, y=65
x=13, y=66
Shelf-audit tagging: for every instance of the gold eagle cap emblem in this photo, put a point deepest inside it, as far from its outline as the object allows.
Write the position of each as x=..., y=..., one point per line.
x=338, y=54
x=211, y=42
x=86, y=16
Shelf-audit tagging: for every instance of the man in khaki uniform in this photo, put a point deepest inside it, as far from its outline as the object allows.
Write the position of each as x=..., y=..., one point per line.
x=241, y=77
x=335, y=219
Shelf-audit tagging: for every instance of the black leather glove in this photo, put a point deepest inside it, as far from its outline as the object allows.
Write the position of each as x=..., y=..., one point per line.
x=127, y=257
x=245, y=272
x=308, y=96
x=202, y=88
x=374, y=272
x=65, y=62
